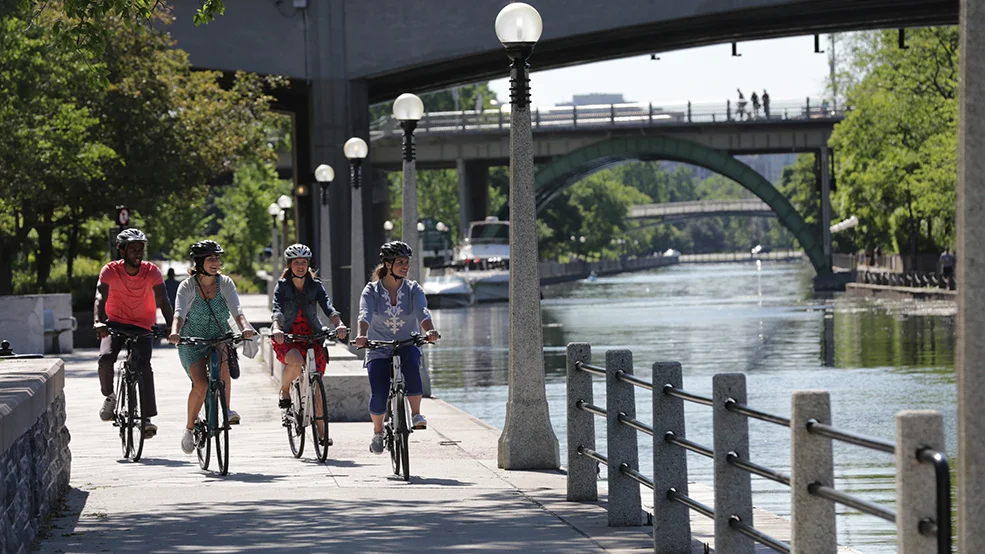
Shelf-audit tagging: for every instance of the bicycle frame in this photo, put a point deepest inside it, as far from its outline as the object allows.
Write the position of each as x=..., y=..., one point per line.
x=302, y=412
x=127, y=376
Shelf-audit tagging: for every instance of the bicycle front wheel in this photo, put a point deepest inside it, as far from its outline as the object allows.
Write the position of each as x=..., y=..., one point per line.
x=294, y=420
x=135, y=425
x=401, y=438
x=120, y=414
x=319, y=423
x=222, y=428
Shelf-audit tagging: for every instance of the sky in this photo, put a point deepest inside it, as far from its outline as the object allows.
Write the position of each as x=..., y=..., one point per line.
x=788, y=68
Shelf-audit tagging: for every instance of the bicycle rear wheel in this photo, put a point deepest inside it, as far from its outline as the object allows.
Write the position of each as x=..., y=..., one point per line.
x=401, y=437
x=222, y=428
x=319, y=403
x=135, y=426
x=294, y=420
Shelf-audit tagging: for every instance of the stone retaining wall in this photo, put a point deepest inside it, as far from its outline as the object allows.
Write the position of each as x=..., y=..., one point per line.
x=35, y=461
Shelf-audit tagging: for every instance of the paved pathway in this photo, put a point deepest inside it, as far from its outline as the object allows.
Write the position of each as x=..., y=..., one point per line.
x=457, y=499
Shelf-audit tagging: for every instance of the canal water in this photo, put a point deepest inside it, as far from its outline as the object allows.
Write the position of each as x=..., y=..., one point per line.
x=875, y=358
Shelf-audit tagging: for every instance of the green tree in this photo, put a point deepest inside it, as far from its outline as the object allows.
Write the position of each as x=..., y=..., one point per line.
x=896, y=169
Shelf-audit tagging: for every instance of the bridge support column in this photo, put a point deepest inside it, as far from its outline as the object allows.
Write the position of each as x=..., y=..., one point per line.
x=825, y=203
x=971, y=281
x=336, y=109
x=473, y=192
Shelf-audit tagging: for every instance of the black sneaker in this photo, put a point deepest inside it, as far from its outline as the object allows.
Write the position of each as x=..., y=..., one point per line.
x=284, y=403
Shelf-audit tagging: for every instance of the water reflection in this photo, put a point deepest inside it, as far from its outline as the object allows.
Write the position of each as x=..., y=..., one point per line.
x=875, y=358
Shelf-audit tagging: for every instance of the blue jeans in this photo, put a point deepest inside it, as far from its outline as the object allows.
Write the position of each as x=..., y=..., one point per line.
x=379, y=377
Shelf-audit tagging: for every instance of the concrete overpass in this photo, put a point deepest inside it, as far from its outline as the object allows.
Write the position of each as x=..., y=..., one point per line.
x=344, y=54
x=670, y=212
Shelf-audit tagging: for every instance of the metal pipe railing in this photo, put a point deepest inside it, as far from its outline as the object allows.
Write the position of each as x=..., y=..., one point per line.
x=672, y=438
x=756, y=469
x=817, y=428
x=623, y=376
x=733, y=406
x=589, y=368
x=591, y=408
x=635, y=424
x=589, y=453
x=942, y=475
x=702, y=509
x=864, y=506
x=671, y=390
x=735, y=522
x=636, y=476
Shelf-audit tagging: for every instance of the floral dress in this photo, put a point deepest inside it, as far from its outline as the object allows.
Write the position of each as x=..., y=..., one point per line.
x=200, y=323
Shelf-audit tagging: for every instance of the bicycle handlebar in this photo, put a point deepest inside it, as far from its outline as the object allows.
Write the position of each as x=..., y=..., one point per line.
x=325, y=333
x=228, y=337
x=416, y=338
x=157, y=332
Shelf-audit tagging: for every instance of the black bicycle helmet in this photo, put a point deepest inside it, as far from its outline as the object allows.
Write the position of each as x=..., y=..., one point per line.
x=205, y=248
x=395, y=249
x=129, y=235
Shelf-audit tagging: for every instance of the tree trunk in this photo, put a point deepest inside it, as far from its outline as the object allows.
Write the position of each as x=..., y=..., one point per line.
x=45, y=255
x=7, y=252
x=73, y=246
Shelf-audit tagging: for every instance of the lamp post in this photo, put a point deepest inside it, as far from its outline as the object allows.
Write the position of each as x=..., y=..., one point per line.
x=408, y=110
x=387, y=229
x=324, y=174
x=286, y=203
x=419, y=244
x=442, y=228
x=528, y=440
x=273, y=210
x=355, y=151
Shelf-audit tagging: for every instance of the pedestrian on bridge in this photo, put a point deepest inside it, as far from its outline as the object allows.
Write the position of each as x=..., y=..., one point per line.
x=755, y=105
x=766, y=104
x=740, y=106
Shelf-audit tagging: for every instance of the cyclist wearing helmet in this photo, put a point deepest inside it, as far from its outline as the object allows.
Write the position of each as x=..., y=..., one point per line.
x=128, y=295
x=205, y=301
x=296, y=299
x=391, y=308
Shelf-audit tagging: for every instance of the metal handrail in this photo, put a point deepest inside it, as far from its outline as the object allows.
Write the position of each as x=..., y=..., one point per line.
x=672, y=438
x=671, y=390
x=817, y=428
x=589, y=453
x=633, y=380
x=942, y=476
x=591, y=408
x=864, y=506
x=589, y=368
x=702, y=509
x=635, y=424
x=733, y=406
x=636, y=476
x=756, y=469
x=735, y=522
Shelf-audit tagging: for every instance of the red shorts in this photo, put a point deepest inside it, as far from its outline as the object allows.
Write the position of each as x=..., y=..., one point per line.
x=300, y=327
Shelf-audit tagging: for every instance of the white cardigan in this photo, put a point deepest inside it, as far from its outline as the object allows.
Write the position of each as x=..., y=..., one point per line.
x=187, y=295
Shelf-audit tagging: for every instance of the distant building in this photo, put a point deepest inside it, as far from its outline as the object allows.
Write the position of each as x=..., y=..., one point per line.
x=594, y=98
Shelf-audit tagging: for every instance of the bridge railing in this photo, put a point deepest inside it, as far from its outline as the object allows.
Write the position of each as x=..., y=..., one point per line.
x=719, y=257
x=614, y=115
x=923, y=503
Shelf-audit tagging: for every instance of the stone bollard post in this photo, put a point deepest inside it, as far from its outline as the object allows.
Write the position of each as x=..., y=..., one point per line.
x=812, y=528
x=625, y=508
x=733, y=486
x=671, y=520
x=582, y=470
x=916, y=490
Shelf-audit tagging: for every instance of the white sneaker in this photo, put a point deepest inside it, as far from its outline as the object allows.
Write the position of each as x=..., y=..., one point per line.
x=419, y=421
x=233, y=417
x=376, y=445
x=187, y=442
x=106, y=413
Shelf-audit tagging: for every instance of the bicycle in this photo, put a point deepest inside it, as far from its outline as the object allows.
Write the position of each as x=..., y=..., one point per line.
x=128, y=415
x=215, y=423
x=396, y=427
x=306, y=395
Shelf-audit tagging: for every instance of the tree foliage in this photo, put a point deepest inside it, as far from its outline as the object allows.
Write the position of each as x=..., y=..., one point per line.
x=896, y=166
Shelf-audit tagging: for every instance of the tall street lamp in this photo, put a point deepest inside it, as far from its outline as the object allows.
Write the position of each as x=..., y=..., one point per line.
x=324, y=174
x=528, y=440
x=286, y=203
x=408, y=110
x=387, y=229
x=355, y=151
x=273, y=210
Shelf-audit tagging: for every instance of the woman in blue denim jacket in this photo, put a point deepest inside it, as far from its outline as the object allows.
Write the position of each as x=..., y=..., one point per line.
x=297, y=296
x=391, y=308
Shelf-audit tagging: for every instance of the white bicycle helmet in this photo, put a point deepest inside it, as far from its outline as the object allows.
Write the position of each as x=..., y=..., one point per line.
x=129, y=235
x=297, y=251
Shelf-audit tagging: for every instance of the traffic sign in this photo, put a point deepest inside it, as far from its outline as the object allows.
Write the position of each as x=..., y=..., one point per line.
x=122, y=216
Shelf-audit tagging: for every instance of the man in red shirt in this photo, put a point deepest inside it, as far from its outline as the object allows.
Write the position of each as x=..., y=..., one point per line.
x=137, y=292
